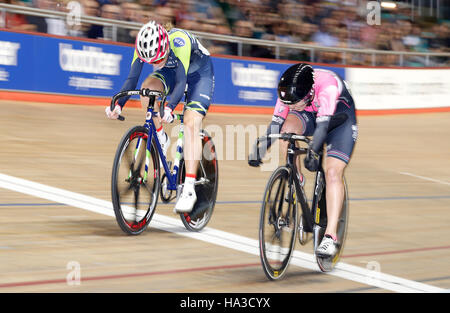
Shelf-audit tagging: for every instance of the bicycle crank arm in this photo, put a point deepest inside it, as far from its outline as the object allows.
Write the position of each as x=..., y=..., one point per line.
x=202, y=181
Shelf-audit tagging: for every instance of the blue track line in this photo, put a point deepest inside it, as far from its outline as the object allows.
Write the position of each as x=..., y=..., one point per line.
x=249, y=202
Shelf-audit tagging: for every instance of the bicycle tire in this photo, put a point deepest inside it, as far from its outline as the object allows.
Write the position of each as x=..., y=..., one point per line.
x=128, y=181
x=276, y=219
x=206, y=193
x=328, y=264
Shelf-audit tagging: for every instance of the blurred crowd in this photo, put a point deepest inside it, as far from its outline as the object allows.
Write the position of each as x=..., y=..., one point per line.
x=332, y=23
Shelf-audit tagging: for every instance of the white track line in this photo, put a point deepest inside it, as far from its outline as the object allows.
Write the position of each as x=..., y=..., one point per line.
x=213, y=236
x=426, y=178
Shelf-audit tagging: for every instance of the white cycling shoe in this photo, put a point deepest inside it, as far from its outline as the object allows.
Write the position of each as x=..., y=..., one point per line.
x=327, y=248
x=186, y=202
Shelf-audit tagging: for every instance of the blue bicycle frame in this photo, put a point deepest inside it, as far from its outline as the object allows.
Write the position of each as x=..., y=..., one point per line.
x=150, y=126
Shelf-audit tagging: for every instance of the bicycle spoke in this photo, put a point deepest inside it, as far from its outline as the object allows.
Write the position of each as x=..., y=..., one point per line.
x=280, y=198
x=134, y=200
x=126, y=191
x=136, y=197
x=139, y=166
x=278, y=223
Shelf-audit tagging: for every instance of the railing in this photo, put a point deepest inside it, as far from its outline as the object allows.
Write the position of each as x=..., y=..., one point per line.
x=313, y=50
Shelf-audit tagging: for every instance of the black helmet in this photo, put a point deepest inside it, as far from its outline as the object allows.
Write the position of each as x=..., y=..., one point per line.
x=296, y=83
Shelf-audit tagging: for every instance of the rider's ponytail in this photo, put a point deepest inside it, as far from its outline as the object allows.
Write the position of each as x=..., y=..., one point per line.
x=168, y=26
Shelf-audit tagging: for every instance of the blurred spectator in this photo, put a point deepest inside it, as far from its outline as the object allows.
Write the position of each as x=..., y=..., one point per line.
x=396, y=38
x=413, y=41
x=354, y=26
x=440, y=41
x=310, y=15
x=219, y=46
x=242, y=28
x=165, y=14
x=184, y=11
x=56, y=26
x=146, y=4
x=131, y=13
x=368, y=36
x=329, y=23
x=39, y=21
x=16, y=21
x=110, y=11
x=91, y=8
x=325, y=36
x=231, y=10
x=267, y=52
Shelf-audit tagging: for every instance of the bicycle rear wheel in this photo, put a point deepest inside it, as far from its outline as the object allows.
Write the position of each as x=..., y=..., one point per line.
x=327, y=264
x=278, y=224
x=205, y=189
x=134, y=189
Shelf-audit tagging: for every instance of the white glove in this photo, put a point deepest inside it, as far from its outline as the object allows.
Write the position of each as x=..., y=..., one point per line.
x=168, y=117
x=113, y=114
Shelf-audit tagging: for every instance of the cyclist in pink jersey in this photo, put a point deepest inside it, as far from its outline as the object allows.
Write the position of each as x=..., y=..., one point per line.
x=316, y=103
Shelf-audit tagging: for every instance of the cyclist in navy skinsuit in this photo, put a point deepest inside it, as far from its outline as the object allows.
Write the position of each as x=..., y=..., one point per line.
x=179, y=59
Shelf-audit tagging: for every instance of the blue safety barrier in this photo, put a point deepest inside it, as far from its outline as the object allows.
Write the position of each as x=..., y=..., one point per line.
x=49, y=64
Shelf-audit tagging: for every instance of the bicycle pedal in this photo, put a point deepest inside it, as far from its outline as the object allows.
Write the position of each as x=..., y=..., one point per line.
x=288, y=200
x=201, y=181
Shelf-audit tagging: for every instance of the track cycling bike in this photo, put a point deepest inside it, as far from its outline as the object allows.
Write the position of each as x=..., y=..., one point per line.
x=281, y=219
x=137, y=182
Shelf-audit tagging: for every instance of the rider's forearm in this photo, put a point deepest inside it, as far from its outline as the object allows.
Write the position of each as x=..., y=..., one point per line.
x=178, y=91
x=132, y=80
x=274, y=128
x=320, y=133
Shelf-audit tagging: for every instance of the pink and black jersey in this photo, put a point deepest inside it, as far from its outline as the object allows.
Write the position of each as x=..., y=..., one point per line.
x=332, y=105
x=328, y=88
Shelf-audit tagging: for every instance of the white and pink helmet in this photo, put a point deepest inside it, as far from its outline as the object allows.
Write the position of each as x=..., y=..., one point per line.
x=152, y=42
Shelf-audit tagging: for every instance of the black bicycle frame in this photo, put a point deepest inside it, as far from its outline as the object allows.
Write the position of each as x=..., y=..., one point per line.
x=308, y=214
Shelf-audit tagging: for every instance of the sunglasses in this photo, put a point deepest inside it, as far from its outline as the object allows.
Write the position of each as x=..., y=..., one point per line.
x=158, y=61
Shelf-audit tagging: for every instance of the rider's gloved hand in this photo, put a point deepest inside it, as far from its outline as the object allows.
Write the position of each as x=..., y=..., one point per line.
x=168, y=115
x=114, y=114
x=311, y=160
x=253, y=160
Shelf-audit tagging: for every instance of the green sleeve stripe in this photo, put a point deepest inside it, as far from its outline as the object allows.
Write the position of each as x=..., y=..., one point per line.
x=135, y=56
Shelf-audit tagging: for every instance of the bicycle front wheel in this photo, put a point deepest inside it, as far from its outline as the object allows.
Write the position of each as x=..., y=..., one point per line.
x=135, y=181
x=278, y=224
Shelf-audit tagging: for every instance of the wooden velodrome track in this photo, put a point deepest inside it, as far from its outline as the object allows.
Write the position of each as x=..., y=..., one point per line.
x=399, y=182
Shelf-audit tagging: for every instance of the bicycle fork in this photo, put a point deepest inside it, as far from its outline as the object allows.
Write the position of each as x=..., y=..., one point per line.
x=135, y=156
x=318, y=230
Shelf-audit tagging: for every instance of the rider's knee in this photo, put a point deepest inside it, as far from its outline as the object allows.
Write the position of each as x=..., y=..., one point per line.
x=152, y=83
x=333, y=175
x=292, y=125
x=192, y=120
